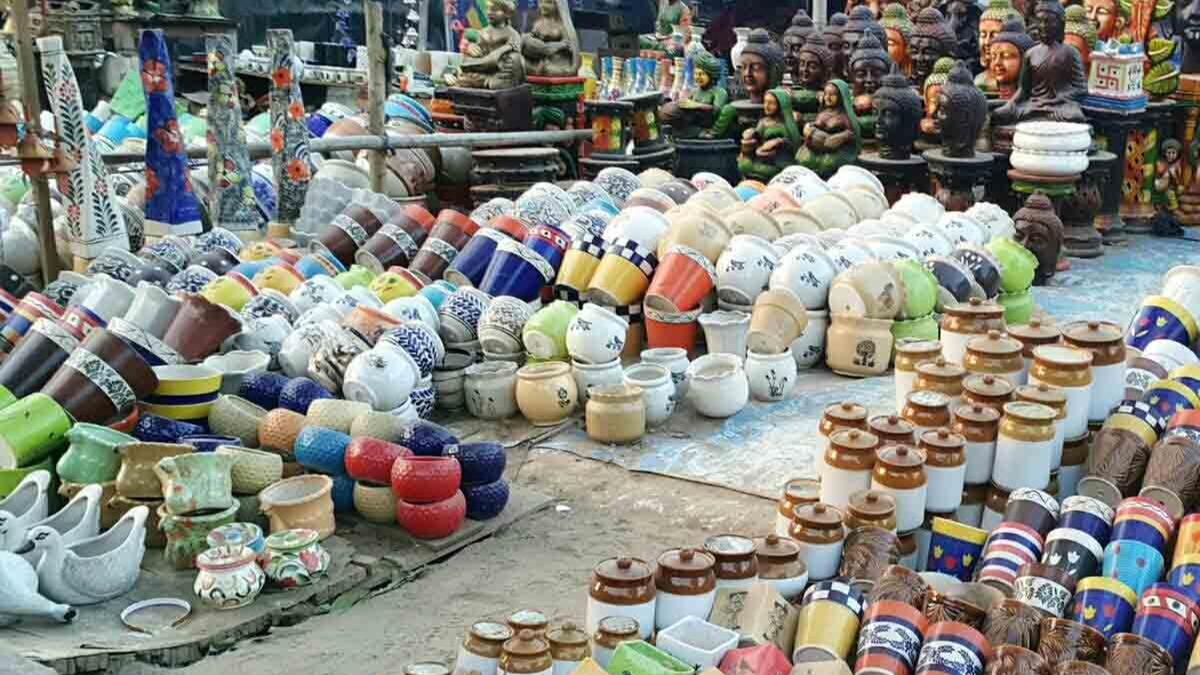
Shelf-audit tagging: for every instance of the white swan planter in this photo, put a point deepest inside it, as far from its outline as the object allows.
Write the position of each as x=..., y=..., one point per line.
x=19, y=597
x=78, y=520
x=24, y=506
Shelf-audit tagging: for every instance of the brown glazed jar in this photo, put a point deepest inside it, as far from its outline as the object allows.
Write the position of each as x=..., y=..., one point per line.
x=995, y=354
x=979, y=425
x=778, y=557
x=796, y=492
x=844, y=415
x=613, y=630
x=568, y=643
x=945, y=468
x=871, y=508
x=627, y=583
x=1034, y=334
x=1132, y=654
x=526, y=653
x=961, y=321
x=926, y=410
x=989, y=390
x=912, y=353
x=529, y=619
x=735, y=559
x=1046, y=395
x=685, y=571
x=1104, y=339
x=1011, y=659
x=900, y=472
x=892, y=430
x=1024, y=448
x=848, y=463
x=1061, y=366
x=941, y=376
x=817, y=524
x=486, y=639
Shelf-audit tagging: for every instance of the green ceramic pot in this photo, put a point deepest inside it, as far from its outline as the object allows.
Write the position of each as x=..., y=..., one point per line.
x=356, y=276
x=545, y=333
x=7, y=398
x=644, y=658
x=93, y=456
x=187, y=536
x=1017, y=264
x=1018, y=307
x=920, y=289
x=922, y=328
x=10, y=478
x=31, y=429
x=201, y=481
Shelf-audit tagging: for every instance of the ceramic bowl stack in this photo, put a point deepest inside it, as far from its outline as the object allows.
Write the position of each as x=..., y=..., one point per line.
x=1051, y=148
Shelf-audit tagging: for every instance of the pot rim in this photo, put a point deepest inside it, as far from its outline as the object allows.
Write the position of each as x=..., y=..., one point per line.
x=725, y=365
x=542, y=371
x=724, y=317
x=661, y=375
x=323, y=486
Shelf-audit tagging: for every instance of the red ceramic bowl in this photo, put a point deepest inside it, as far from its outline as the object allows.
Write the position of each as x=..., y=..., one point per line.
x=421, y=480
x=432, y=521
x=370, y=460
x=681, y=281
x=127, y=424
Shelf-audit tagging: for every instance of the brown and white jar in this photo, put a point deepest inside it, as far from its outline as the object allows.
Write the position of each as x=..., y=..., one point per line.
x=529, y=619
x=945, y=469
x=1055, y=398
x=1032, y=335
x=622, y=587
x=1024, y=446
x=480, y=650
x=848, y=464
x=926, y=410
x=979, y=426
x=992, y=391
x=941, y=376
x=568, y=648
x=526, y=654
x=1106, y=342
x=796, y=492
x=996, y=354
x=994, y=506
x=1069, y=369
x=892, y=430
x=970, y=512
x=780, y=565
x=610, y=633
x=900, y=472
x=844, y=415
x=871, y=508
x=962, y=321
x=736, y=564
x=686, y=581
x=1074, y=463
x=911, y=353
x=820, y=532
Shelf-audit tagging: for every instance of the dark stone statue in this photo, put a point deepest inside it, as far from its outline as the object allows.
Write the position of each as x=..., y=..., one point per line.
x=1040, y=230
x=834, y=34
x=860, y=23
x=963, y=16
x=961, y=112
x=1052, y=79
x=868, y=64
x=932, y=39
x=1187, y=29
x=898, y=109
x=793, y=41
x=816, y=64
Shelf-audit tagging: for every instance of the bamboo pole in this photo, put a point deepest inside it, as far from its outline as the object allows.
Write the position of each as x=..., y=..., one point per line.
x=33, y=115
x=377, y=83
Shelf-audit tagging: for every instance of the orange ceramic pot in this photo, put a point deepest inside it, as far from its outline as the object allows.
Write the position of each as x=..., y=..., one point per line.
x=672, y=329
x=623, y=274
x=772, y=200
x=681, y=281
x=370, y=322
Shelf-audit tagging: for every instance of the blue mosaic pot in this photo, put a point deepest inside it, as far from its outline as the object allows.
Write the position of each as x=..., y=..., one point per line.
x=156, y=429
x=487, y=500
x=1133, y=563
x=1169, y=617
x=427, y=439
x=1161, y=318
x=322, y=450
x=1104, y=604
x=298, y=394
x=263, y=388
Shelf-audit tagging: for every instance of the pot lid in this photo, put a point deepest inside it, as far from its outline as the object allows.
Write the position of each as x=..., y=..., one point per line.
x=941, y=369
x=978, y=414
x=618, y=625
x=1093, y=333
x=1042, y=393
x=526, y=643
x=492, y=631
x=901, y=456
x=846, y=411
x=729, y=545
x=988, y=385
x=913, y=347
x=928, y=398
x=975, y=307
x=994, y=343
x=1034, y=412
x=1035, y=331
x=527, y=617
x=872, y=504
x=567, y=634
x=942, y=439
x=802, y=490
x=854, y=439
x=686, y=561
x=426, y=668
x=819, y=516
x=1063, y=355
x=623, y=569
x=890, y=425
x=774, y=546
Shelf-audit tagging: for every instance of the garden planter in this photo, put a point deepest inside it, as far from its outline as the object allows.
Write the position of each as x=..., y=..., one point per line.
x=300, y=502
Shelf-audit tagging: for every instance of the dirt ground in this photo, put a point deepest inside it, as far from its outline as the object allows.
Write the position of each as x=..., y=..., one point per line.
x=541, y=562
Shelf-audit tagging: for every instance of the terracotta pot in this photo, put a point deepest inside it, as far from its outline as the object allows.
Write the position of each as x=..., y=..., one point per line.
x=102, y=379
x=303, y=502
x=200, y=327
x=682, y=279
x=672, y=330
x=137, y=479
x=1130, y=654
x=546, y=393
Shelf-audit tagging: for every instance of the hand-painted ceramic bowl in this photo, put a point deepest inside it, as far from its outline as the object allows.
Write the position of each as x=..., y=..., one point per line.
x=1161, y=318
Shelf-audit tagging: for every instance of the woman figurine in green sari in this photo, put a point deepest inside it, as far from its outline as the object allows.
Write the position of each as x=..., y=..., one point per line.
x=770, y=146
x=834, y=137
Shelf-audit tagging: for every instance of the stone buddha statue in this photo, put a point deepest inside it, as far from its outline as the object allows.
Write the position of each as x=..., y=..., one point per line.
x=990, y=23
x=931, y=40
x=762, y=70
x=1004, y=57
x=1080, y=34
x=897, y=111
x=931, y=97
x=1052, y=79
x=961, y=112
x=861, y=22
x=815, y=66
x=551, y=48
x=793, y=40
x=898, y=29
x=834, y=35
x=868, y=65
x=1040, y=230
x=494, y=61
x=963, y=17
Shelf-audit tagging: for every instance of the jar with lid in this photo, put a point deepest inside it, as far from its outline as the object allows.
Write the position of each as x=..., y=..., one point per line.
x=1069, y=369
x=530, y=619
x=686, y=581
x=1024, y=446
x=962, y=321
x=480, y=650
x=622, y=587
x=892, y=430
x=1032, y=335
x=910, y=353
x=1055, y=398
x=978, y=425
x=526, y=654
x=736, y=564
x=1106, y=342
x=779, y=564
x=568, y=648
x=871, y=508
x=994, y=506
x=610, y=633
x=942, y=376
x=926, y=410
x=992, y=391
x=996, y=354
x=820, y=532
x=970, y=512
x=900, y=472
x=843, y=415
x=848, y=464
x=1074, y=462
x=796, y=492
x=945, y=468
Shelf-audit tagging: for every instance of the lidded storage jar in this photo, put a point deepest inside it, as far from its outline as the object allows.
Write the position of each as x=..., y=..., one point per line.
x=941, y=376
x=926, y=410
x=962, y=321
x=1069, y=369
x=1031, y=336
x=780, y=565
x=995, y=354
x=1055, y=398
x=891, y=429
x=526, y=654
x=843, y=415
x=1106, y=342
x=1074, y=460
x=871, y=508
x=797, y=492
x=612, y=631
x=992, y=391
x=622, y=587
x=736, y=564
x=1024, y=446
x=848, y=464
x=686, y=580
x=946, y=469
x=820, y=533
x=568, y=648
x=900, y=472
x=979, y=426
x=480, y=650
x=911, y=353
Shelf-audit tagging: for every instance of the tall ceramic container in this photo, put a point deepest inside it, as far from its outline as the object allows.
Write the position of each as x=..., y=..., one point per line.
x=526, y=653
x=843, y=415
x=1107, y=344
x=964, y=320
x=828, y=623
x=848, y=464
x=687, y=586
x=1057, y=399
x=737, y=565
x=796, y=492
x=780, y=565
x=568, y=648
x=480, y=649
x=1024, y=446
x=289, y=159
x=171, y=207
x=622, y=587
x=819, y=531
x=1032, y=335
x=946, y=468
x=229, y=176
x=1070, y=369
x=900, y=472
x=979, y=426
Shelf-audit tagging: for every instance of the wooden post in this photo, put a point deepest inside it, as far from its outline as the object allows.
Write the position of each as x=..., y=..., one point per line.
x=33, y=114
x=377, y=83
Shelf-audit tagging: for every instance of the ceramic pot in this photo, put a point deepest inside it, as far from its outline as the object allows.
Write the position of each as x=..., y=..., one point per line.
x=1104, y=341
x=93, y=455
x=964, y=320
x=294, y=558
x=809, y=348
x=744, y=268
x=996, y=354
x=1161, y=318
x=686, y=582
x=726, y=332
x=1024, y=446
x=900, y=472
x=1104, y=604
x=471, y=264
x=943, y=377
x=623, y=274
x=806, y=271
x=1052, y=397
x=616, y=414
x=480, y=650
x=674, y=360
x=819, y=531
x=1046, y=588
x=682, y=280
x=152, y=309
x=545, y=332
x=858, y=347
x=954, y=642
x=490, y=390
x=771, y=376
x=1063, y=640
x=546, y=393
x=302, y=501
x=778, y=318
x=195, y=482
x=622, y=587
x=1012, y=622
x=877, y=651
x=136, y=478
x=946, y=467
x=101, y=380
x=328, y=364
x=868, y=551
x=1129, y=654
x=596, y=334
x=719, y=387
x=909, y=355
x=578, y=266
x=980, y=428
x=779, y=564
x=395, y=283
x=1068, y=368
x=672, y=331
x=187, y=534
x=37, y=358
x=828, y=622
x=695, y=228
x=847, y=465
x=658, y=390
x=229, y=577
x=392, y=245
x=199, y=328
x=796, y=492
x=516, y=271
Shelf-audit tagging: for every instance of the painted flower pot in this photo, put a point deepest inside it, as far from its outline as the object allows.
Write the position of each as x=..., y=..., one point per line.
x=37, y=358
x=101, y=380
x=187, y=534
x=744, y=268
x=280, y=277
x=1133, y=563
x=294, y=558
x=391, y=246
x=1161, y=318
x=779, y=317
x=447, y=238
x=136, y=478
x=516, y=271
x=578, y=266
x=681, y=281
x=623, y=274
x=320, y=449
x=93, y=455
x=319, y=263
x=545, y=333
x=199, y=328
x=1169, y=617
x=32, y=307
x=546, y=393
x=348, y=232
x=434, y=520
x=427, y=439
x=471, y=264
x=229, y=577
x=300, y=502
x=549, y=242
x=596, y=334
x=1130, y=654
x=1105, y=604
x=951, y=646
x=196, y=482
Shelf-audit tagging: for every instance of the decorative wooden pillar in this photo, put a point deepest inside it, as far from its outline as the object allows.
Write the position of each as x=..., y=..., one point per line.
x=231, y=189
x=171, y=206
x=94, y=222
x=289, y=135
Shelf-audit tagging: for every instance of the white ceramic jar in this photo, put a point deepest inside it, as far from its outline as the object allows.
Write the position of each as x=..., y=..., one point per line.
x=979, y=426
x=1182, y=284
x=820, y=532
x=900, y=471
x=658, y=391
x=622, y=587
x=771, y=376
x=945, y=468
x=491, y=389
x=686, y=584
x=1070, y=369
x=674, y=359
x=806, y=271
x=596, y=374
x=1056, y=399
x=847, y=468
x=718, y=386
x=1024, y=446
x=809, y=349
x=480, y=650
x=1106, y=342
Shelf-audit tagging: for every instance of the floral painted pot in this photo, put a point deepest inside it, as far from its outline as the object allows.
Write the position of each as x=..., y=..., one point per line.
x=744, y=268
x=490, y=390
x=101, y=380
x=546, y=393
x=195, y=482
x=229, y=577
x=596, y=334
x=395, y=283
x=1105, y=604
x=187, y=534
x=771, y=376
x=294, y=557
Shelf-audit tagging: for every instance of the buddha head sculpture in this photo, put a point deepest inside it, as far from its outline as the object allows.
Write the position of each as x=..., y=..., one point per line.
x=961, y=111
x=1080, y=34
x=963, y=17
x=873, y=6
x=762, y=65
x=932, y=39
x=868, y=64
x=816, y=64
x=834, y=34
x=897, y=111
x=898, y=29
x=990, y=23
x=1040, y=230
x=1106, y=16
x=1049, y=22
x=793, y=41
x=933, y=85
x=1187, y=26
x=1004, y=56
x=860, y=23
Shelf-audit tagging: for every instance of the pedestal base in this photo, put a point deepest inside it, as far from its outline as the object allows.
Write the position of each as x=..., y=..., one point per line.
x=662, y=159
x=717, y=156
x=958, y=182
x=898, y=176
x=590, y=167
x=500, y=110
x=564, y=94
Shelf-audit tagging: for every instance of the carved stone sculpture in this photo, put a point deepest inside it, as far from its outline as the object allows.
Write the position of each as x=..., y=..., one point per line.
x=1187, y=28
x=897, y=111
x=816, y=64
x=899, y=29
x=494, y=61
x=1004, y=57
x=932, y=39
x=762, y=65
x=962, y=109
x=835, y=39
x=551, y=49
x=860, y=23
x=1052, y=79
x=1106, y=16
x=1080, y=34
x=1040, y=230
x=793, y=41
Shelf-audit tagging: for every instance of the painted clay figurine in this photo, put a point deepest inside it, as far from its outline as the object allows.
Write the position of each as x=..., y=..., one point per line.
x=860, y=23
x=1004, y=57
x=898, y=28
x=1052, y=79
x=834, y=137
x=1040, y=230
x=689, y=117
x=932, y=39
x=930, y=95
x=962, y=109
x=1169, y=172
x=762, y=69
x=816, y=67
x=793, y=41
x=1106, y=16
x=551, y=49
x=771, y=145
x=897, y=111
x=991, y=22
x=1080, y=34
x=494, y=62
x=672, y=13
x=868, y=64
x=835, y=39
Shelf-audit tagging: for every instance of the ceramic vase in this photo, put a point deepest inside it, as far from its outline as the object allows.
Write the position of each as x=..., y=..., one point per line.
x=546, y=393
x=289, y=137
x=187, y=535
x=171, y=207
x=231, y=202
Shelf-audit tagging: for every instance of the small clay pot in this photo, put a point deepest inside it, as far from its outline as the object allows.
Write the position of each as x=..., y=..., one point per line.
x=1013, y=622
x=102, y=379
x=1065, y=640
x=1046, y=588
x=871, y=508
x=1014, y=660
x=736, y=560
x=199, y=328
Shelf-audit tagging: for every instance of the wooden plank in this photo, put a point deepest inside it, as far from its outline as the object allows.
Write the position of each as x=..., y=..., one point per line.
x=377, y=85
